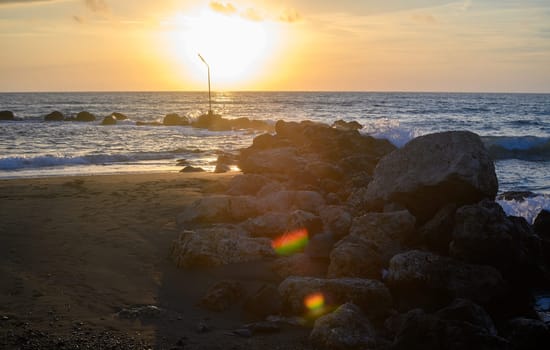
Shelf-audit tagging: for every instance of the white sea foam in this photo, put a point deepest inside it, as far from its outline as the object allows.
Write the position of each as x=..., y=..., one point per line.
x=390, y=130
x=528, y=208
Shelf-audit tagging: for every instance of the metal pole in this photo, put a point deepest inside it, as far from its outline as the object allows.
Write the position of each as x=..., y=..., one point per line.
x=209, y=94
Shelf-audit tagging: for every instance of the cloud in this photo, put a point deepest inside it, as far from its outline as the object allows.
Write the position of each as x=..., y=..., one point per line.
x=78, y=19
x=226, y=9
x=425, y=18
x=252, y=15
x=99, y=6
x=21, y=2
x=289, y=16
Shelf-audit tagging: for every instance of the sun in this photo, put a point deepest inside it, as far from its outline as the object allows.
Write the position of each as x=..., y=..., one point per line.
x=235, y=48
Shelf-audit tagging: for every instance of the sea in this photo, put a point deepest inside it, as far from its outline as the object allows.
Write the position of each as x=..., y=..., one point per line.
x=514, y=127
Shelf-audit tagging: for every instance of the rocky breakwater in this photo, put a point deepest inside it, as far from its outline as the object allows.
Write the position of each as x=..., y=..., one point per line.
x=376, y=247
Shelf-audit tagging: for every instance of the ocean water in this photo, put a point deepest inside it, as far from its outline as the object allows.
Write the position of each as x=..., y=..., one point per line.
x=514, y=127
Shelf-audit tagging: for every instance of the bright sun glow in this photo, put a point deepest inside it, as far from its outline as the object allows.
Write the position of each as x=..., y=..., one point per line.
x=235, y=48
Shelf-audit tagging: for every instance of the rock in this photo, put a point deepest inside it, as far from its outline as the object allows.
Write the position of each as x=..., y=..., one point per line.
x=109, y=120
x=275, y=161
x=336, y=219
x=299, y=264
x=222, y=296
x=483, y=234
x=423, y=279
x=175, y=119
x=344, y=125
x=345, y=328
x=323, y=170
x=374, y=239
x=528, y=334
x=218, y=246
x=432, y=171
x=371, y=296
x=419, y=330
x=271, y=224
x=141, y=312
x=221, y=168
x=219, y=208
x=320, y=246
x=264, y=302
x=54, y=116
x=542, y=224
x=465, y=310
x=437, y=233
x=119, y=116
x=247, y=184
x=85, y=116
x=310, y=201
x=191, y=169
x=6, y=115
x=515, y=195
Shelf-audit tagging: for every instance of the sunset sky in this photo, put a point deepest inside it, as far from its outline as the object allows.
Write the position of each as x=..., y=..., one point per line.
x=364, y=45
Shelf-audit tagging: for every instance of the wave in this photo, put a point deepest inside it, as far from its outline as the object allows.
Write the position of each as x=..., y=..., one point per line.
x=528, y=208
x=531, y=148
x=46, y=161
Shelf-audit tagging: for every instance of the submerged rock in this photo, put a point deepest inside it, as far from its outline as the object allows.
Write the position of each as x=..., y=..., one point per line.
x=175, y=119
x=54, y=116
x=7, y=115
x=85, y=116
x=109, y=120
x=432, y=171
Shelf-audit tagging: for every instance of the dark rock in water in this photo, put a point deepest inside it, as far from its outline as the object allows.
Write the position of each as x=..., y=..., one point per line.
x=224, y=162
x=342, y=124
x=528, y=334
x=542, y=224
x=418, y=330
x=54, y=116
x=515, y=195
x=109, y=120
x=175, y=119
x=191, y=169
x=85, y=116
x=423, y=279
x=119, y=116
x=221, y=168
x=6, y=115
x=222, y=296
x=371, y=296
x=437, y=233
x=345, y=328
x=139, y=123
x=432, y=171
x=264, y=302
x=483, y=234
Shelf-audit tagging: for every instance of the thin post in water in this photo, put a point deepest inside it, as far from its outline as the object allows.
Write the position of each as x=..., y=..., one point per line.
x=209, y=95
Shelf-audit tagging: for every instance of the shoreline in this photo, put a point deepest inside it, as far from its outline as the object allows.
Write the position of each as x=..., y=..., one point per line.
x=80, y=255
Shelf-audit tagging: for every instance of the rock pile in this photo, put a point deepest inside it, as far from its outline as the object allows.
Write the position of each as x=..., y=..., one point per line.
x=403, y=248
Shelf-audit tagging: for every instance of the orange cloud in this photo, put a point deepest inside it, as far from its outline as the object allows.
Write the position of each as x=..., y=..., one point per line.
x=424, y=18
x=252, y=15
x=226, y=9
x=289, y=16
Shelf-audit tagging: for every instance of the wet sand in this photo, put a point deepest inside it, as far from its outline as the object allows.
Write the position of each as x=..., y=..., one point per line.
x=75, y=251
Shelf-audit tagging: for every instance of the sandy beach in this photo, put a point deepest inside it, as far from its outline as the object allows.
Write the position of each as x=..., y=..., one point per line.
x=79, y=256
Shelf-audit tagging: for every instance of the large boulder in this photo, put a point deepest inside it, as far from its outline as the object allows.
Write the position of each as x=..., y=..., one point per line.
x=432, y=171
x=542, y=224
x=218, y=246
x=6, y=115
x=371, y=296
x=281, y=201
x=336, y=219
x=274, y=224
x=373, y=240
x=528, y=334
x=418, y=330
x=345, y=328
x=247, y=184
x=423, y=279
x=56, y=116
x=483, y=234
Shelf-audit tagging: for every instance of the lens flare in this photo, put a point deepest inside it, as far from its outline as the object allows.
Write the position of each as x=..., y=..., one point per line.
x=314, y=301
x=290, y=242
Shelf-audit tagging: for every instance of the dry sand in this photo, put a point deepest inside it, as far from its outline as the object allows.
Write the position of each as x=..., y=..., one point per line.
x=74, y=251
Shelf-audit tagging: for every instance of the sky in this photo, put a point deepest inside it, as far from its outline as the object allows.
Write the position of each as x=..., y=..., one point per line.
x=292, y=45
